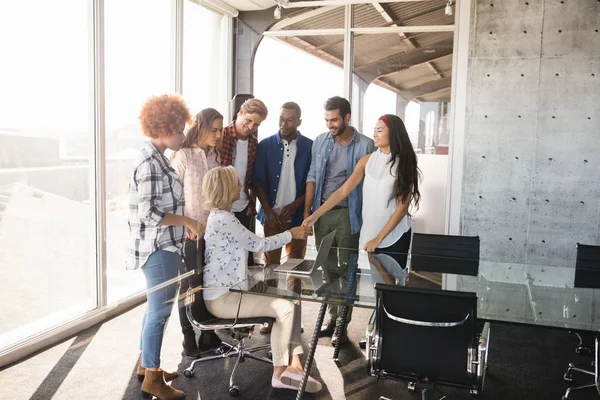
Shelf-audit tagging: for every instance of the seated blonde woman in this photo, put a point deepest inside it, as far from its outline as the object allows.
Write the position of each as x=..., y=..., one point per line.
x=227, y=246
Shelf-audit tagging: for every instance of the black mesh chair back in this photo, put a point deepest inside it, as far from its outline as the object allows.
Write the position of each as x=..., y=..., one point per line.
x=237, y=102
x=445, y=253
x=587, y=266
x=199, y=315
x=426, y=334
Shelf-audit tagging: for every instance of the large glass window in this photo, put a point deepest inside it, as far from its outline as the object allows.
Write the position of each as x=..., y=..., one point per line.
x=296, y=76
x=204, y=47
x=377, y=102
x=47, y=231
x=139, y=63
x=48, y=267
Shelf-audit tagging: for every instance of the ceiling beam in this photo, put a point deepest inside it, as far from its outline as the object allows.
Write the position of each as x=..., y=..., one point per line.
x=318, y=3
x=398, y=62
x=388, y=15
x=441, y=95
x=426, y=88
x=301, y=16
x=426, y=13
x=369, y=31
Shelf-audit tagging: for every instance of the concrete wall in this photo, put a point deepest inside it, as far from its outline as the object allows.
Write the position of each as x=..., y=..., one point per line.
x=249, y=27
x=531, y=183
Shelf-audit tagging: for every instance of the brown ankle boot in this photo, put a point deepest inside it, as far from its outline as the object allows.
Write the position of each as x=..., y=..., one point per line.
x=168, y=375
x=155, y=385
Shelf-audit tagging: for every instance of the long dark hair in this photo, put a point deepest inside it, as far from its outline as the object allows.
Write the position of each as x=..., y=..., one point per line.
x=202, y=123
x=406, y=185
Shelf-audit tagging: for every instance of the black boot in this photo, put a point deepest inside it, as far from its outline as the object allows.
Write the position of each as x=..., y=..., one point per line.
x=339, y=335
x=208, y=341
x=190, y=347
x=328, y=328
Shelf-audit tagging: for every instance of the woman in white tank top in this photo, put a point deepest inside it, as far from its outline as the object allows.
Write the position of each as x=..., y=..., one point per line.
x=391, y=185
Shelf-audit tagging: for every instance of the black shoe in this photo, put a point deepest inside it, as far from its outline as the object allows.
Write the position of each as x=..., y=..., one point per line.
x=328, y=328
x=190, y=348
x=208, y=341
x=336, y=337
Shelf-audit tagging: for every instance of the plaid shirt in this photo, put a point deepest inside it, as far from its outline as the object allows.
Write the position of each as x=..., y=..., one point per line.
x=227, y=153
x=154, y=189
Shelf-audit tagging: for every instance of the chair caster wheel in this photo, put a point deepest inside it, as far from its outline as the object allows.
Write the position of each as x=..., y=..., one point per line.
x=187, y=373
x=473, y=393
x=583, y=351
x=234, y=391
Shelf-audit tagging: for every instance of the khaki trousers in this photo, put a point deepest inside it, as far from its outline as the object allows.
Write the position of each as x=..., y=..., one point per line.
x=286, y=338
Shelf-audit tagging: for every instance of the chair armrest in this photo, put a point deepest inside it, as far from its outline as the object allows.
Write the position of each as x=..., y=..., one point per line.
x=426, y=323
x=478, y=354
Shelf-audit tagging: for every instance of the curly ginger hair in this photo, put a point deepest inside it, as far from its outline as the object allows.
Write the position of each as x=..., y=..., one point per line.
x=164, y=115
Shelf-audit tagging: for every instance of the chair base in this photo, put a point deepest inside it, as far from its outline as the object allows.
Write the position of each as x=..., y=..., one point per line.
x=569, y=378
x=582, y=348
x=571, y=389
x=425, y=391
x=237, y=349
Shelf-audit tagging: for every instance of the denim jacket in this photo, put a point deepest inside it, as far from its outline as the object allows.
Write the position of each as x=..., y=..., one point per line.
x=268, y=167
x=359, y=146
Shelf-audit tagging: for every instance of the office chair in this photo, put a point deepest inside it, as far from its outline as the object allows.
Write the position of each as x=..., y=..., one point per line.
x=240, y=329
x=237, y=102
x=445, y=253
x=587, y=275
x=429, y=337
x=587, y=267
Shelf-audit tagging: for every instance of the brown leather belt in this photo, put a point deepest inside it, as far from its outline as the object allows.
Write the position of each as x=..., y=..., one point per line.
x=337, y=207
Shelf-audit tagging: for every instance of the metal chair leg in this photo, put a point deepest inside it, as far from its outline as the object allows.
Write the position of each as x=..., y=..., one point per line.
x=236, y=350
x=569, y=390
x=226, y=351
x=568, y=375
x=234, y=390
x=581, y=347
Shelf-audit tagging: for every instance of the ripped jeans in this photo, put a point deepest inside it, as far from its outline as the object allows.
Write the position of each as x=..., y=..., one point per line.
x=161, y=266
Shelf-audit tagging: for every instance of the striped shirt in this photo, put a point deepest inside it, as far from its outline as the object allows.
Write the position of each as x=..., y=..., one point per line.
x=154, y=190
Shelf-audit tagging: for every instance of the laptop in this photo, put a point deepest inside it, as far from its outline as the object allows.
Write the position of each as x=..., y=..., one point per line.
x=306, y=267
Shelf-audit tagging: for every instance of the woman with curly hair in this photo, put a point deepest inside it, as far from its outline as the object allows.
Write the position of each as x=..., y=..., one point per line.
x=197, y=156
x=157, y=227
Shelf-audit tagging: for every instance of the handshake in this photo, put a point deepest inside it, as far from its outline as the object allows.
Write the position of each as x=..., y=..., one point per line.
x=301, y=232
x=306, y=229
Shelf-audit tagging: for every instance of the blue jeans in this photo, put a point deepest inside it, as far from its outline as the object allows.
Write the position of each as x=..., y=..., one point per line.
x=161, y=266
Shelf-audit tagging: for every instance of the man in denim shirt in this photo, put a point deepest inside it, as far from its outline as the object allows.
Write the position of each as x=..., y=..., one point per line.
x=282, y=164
x=280, y=172
x=334, y=155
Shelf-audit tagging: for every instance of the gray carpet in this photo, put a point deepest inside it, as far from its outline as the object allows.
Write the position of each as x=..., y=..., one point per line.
x=525, y=363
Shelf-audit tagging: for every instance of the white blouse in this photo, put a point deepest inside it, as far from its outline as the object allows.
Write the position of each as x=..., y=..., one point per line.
x=226, y=253
x=376, y=210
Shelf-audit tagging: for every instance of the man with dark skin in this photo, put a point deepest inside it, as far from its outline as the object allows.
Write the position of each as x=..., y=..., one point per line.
x=282, y=165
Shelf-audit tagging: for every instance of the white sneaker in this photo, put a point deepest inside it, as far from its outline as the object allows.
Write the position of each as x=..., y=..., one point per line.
x=291, y=380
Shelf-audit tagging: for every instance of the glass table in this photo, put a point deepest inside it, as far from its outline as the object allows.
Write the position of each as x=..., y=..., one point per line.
x=527, y=294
